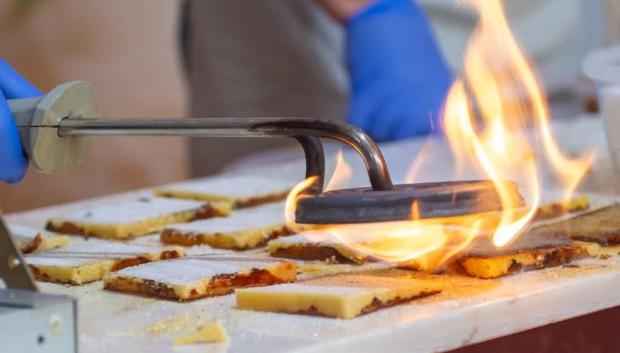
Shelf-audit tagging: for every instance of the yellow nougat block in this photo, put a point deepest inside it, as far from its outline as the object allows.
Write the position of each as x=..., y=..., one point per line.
x=30, y=239
x=558, y=208
x=243, y=229
x=492, y=267
x=90, y=261
x=314, y=245
x=211, y=332
x=185, y=329
x=530, y=250
x=609, y=251
x=535, y=248
x=136, y=217
x=600, y=226
x=237, y=190
x=344, y=296
x=200, y=276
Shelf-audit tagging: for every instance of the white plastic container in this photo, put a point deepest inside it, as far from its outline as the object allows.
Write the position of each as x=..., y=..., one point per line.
x=603, y=66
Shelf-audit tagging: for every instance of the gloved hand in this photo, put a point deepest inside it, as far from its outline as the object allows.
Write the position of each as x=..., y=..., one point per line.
x=13, y=161
x=399, y=79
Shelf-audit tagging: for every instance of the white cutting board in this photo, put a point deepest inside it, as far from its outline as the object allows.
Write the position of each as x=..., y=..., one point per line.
x=114, y=322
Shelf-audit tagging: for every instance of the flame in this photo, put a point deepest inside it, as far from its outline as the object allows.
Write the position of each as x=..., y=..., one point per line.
x=423, y=155
x=342, y=174
x=496, y=122
x=296, y=194
x=487, y=115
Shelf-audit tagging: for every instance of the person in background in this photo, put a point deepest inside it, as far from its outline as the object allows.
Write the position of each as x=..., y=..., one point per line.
x=376, y=63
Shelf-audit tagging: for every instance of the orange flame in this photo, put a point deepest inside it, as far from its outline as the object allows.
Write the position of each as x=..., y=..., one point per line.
x=342, y=174
x=493, y=116
x=500, y=83
x=296, y=194
x=423, y=155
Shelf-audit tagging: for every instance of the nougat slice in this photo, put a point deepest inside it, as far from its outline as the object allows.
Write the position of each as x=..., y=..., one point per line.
x=601, y=226
x=315, y=245
x=344, y=296
x=558, y=208
x=200, y=276
x=529, y=251
x=133, y=218
x=29, y=239
x=236, y=190
x=209, y=332
x=243, y=229
x=89, y=261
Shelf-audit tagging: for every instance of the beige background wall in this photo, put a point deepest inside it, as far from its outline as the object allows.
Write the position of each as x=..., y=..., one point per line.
x=127, y=49
x=613, y=11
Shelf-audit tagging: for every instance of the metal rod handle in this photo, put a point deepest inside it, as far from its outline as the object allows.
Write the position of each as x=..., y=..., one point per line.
x=315, y=162
x=240, y=127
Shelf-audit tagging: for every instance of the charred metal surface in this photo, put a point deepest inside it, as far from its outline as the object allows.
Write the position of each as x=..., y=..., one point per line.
x=363, y=205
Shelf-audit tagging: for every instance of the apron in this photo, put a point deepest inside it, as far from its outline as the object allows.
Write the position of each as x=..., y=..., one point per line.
x=260, y=58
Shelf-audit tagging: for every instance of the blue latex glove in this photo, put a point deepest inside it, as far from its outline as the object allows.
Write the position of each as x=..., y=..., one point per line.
x=13, y=160
x=399, y=79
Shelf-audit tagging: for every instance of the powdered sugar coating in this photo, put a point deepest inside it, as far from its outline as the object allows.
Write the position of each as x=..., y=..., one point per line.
x=308, y=237
x=91, y=251
x=188, y=271
x=105, y=249
x=132, y=211
x=235, y=186
x=62, y=261
x=24, y=232
x=241, y=220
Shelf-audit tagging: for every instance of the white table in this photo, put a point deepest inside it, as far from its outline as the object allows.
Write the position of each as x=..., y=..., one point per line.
x=113, y=322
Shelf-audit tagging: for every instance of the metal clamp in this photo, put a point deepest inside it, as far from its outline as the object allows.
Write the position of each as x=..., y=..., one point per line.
x=305, y=130
x=13, y=270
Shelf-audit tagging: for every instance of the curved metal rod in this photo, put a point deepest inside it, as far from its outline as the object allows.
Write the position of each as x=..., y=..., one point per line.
x=240, y=127
x=315, y=161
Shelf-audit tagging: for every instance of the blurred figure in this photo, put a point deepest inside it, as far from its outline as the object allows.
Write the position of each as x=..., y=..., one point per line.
x=13, y=160
x=291, y=60
x=371, y=62
x=375, y=63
